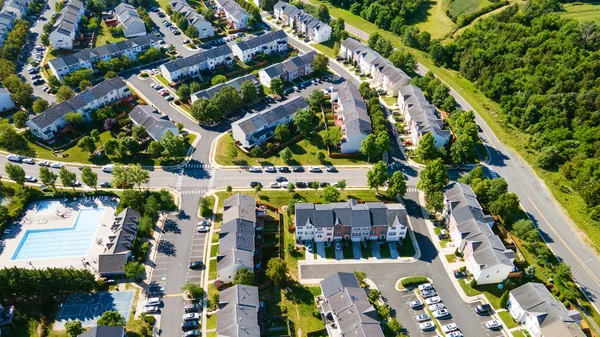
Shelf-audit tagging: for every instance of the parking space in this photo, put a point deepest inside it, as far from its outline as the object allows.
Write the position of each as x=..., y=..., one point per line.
x=408, y=297
x=339, y=253
x=166, y=92
x=320, y=250
x=356, y=250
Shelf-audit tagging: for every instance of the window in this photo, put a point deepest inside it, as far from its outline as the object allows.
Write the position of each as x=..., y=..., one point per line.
x=328, y=234
x=319, y=236
x=337, y=233
x=392, y=233
x=300, y=233
x=373, y=232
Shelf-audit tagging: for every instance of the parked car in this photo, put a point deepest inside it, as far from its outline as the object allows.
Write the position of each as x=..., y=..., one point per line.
x=280, y=179
x=29, y=161
x=192, y=316
x=254, y=184
x=153, y=301
x=423, y=318
x=436, y=306
x=284, y=169
x=189, y=325
x=484, y=309
x=300, y=184
x=30, y=179
x=190, y=333
x=315, y=169
x=274, y=185
x=493, y=325
x=331, y=169
x=415, y=305
x=460, y=274
x=449, y=327
x=254, y=169
x=14, y=158
x=152, y=309
x=192, y=307
x=323, y=184
x=169, y=98
x=433, y=300
x=455, y=334
x=428, y=293
x=202, y=229
x=105, y=184
x=39, y=81
x=442, y=313
x=56, y=165
x=270, y=169
x=195, y=265
x=425, y=286
x=76, y=184
x=43, y=163
x=427, y=326
x=298, y=169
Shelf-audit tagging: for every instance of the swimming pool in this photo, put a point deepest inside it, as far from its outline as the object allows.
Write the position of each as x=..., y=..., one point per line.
x=61, y=242
x=47, y=207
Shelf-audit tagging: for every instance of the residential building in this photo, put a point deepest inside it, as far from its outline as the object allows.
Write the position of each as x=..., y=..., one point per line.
x=154, y=122
x=48, y=124
x=272, y=42
x=66, y=27
x=16, y=7
x=421, y=117
x=236, y=83
x=300, y=21
x=345, y=308
x=236, y=16
x=6, y=102
x=371, y=63
x=104, y=331
x=7, y=21
x=239, y=244
x=7, y=314
x=352, y=113
x=130, y=19
x=238, y=314
x=288, y=70
x=350, y=221
x=193, y=65
x=256, y=129
x=87, y=58
x=488, y=260
x=118, y=248
x=543, y=315
x=205, y=28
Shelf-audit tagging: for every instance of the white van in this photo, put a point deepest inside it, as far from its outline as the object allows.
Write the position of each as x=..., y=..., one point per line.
x=14, y=157
x=108, y=168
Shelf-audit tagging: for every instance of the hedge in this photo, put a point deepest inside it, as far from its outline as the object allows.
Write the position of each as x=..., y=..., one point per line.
x=413, y=281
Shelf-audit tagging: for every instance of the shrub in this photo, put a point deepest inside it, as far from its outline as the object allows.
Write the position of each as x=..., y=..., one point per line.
x=463, y=268
x=504, y=299
x=413, y=281
x=144, y=75
x=473, y=283
x=150, y=320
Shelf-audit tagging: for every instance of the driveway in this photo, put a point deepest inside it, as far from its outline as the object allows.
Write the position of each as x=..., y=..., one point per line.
x=375, y=249
x=309, y=255
x=320, y=250
x=339, y=254
x=393, y=250
x=356, y=250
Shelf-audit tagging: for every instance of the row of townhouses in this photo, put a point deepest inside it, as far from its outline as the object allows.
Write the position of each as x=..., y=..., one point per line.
x=236, y=16
x=352, y=114
x=12, y=10
x=240, y=238
x=66, y=27
x=271, y=42
x=288, y=70
x=48, y=124
x=256, y=129
x=236, y=83
x=130, y=20
x=350, y=220
x=371, y=63
x=86, y=59
x=192, y=66
x=118, y=250
x=421, y=117
x=240, y=313
x=205, y=28
x=302, y=22
x=155, y=123
x=488, y=260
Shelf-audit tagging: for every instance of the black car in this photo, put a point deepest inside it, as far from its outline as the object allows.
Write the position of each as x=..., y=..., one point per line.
x=298, y=169
x=192, y=307
x=190, y=325
x=281, y=179
x=195, y=265
x=324, y=184
x=284, y=169
x=301, y=184
x=460, y=274
x=254, y=183
x=38, y=81
x=484, y=309
x=105, y=184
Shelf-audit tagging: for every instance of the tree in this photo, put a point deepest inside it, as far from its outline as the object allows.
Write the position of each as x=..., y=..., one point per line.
x=89, y=177
x=315, y=99
x=330, y=194
x=383, y=142
x=138, y=132
x=341, y=184
x=320, y=156
x=504, y=299
x=87, y=144
x=110, y=146
x=374, y=295
x=277, y=271
x=336, y=47
x=134, y=270
x=404, y=60
x=562, y=271
x=463, y=150
x=282, y=133
x=497, y=187
x=433, y=177
x=67, y=178
x=426, y=149
x=232, y=151
x=7, y=68
x=377, y=176
x=20, y=118
x=40, y=105
x=315, y=185
x=368, y=147
x=205, y=207
x=320, y=63
x=155, y=149
x=48, y=177
x=248, y=90
x=64, y=93
x=543, y=253
x=138, y=175
x=323, y=13
x=84, y=84
x=286, y=155
x=435, y=201
x=506, y=207
x=74, y=328
x=111, y=318
x=257, y=188
x=218, y=79
x=183, y=91
x=304, y=122
x=244, y=277
x=15, y=173
x=277, y=86
x=396, y=185
x=333, y=136
x=193, y=290
x=74, y=118
x=291, y=187
x=229, y=189
x=396, y=327
x=110, y=75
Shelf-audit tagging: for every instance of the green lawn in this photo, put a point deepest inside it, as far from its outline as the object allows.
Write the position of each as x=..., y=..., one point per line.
x=389, y=100
x=298, y=306
x=214, y=250
x=162, y=80
x=457, y=8
x=212, y=270
x=325, y=48
x=348, y=250
x=329, y=252
x=450, y=257
x=103, y=36
x=366, y=251
x=303, y=154
x=509, y=322
x=582, y=11
x=407, y=249
x=519, y=333
x=435, y=20
x=211, y=322
x=291, y=258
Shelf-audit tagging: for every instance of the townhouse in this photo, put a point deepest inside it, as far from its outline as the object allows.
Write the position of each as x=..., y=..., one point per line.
x=86, y=59
x=256, y=129
x=48, y=124
x=543, y=315
x=236, y=83
x=66, y=27
x=372, y=64
x=104, y=331
x=156, y=124
x=236, y=16
x=240, y=313
x=350, y=220
x=7, y=21
x=18, y=8
x=488, y=260
x=130, y=20
x=193, y=65
x=118, y=248
x=421, y=117
x=345, y=307
x=205, y=28
x=288, y=70
x=239, y=244
x=352, y=112
x=302, y=22
x=272, y=42
x=6, y=102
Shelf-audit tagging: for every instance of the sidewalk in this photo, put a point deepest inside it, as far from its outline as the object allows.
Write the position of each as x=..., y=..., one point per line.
x=207, y=248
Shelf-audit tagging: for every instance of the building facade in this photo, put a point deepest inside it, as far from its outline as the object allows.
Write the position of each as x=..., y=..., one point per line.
x=272, y=42
x=205, y=28
x=236, y=16
x=352, y=112
x=130, y=20
x=302, y=22
x=66, y=27
x=288, y=70
x=192, y=66
x=118, y=248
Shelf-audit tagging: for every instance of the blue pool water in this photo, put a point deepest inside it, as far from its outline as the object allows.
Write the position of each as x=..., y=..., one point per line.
x=47, y=207
x=61, y=242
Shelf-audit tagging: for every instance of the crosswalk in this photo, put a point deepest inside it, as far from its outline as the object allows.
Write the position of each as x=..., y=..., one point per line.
x=396, y=164
x=196, y=166
x=412, y=189
x=179, y=180
x=211, y=182
x=194, y=192
x=494, y=174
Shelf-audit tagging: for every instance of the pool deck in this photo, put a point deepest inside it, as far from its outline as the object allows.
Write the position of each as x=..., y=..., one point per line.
x=63, y=217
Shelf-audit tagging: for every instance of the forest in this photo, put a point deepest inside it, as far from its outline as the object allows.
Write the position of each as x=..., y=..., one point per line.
x=543, y=70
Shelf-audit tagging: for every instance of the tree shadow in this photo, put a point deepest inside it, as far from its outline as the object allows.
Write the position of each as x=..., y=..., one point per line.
x=167, y=248
x=545, y=236
x=422, y=14
x=296, y=293
x=171, y=226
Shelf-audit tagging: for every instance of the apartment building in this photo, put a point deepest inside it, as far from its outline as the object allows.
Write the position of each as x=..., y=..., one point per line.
x=130, y=20
x=236, y=16
x=66, y=27
x=118, y=252
x=271, y=42
x=239, y=312
x=18, y=8
x=192, y=66
x=155, y=123
x=302, y=22
x=205, y=28
x=352, y=113
x=7, y=21
x=350, y=220
x=288, y=70
x=236, y=83
x=47, y=125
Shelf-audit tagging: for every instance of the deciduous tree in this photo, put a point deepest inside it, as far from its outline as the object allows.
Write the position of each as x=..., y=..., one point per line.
x=20, y=118
x=320, y=63
x=48, y=177
x=396, y=185
x=286, y=155
x=244, y=277
x=248, y=90
x=433, y=177
x=40, y=105
x=277, y=86
x=277, y=271
x=67, y=178
x=134, y=270
x=282, y=133
x=111, y=318
x=426, y=149
x=74, y=328
x=330, y=194
x=89, y=177
x=87, y=143
x=305, y=123
x=16, y=173
x=377, y=176
x=368, y=147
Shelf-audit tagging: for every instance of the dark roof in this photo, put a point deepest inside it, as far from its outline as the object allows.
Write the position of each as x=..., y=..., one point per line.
x=104, y=331
x=356, y=119
x=66, y=21
x=111, y=263
x=255, y=122
x=238, y=316
x=262, y=40
x=295, y=62
x=422, y=112
x=198, y=58
x=236, y=83
x=151, y=120
x=123, y=231
x=236, y=242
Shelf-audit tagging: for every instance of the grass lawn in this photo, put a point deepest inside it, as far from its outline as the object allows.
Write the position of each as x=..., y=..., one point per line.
x=491, y=291
x=211, y=334
x=214, y=250
x=390, y=100
x=280, y=198
x=366, y=251
x=436, y=22
x=443, y=242
x=407, y=249
x=330, y=251
x=162, y=80
x=509, y=322
x=52, y=54
x=519, y=333
x=457, y=8
x=212, y=270
x=325, y=48
x=303, y=154
x=384, y=250
x=291, y=258
x=348, y=250
x=298, y=305
x=450, y=258
x=215, y=237
x=211, y=322
x=582, y=11
x=103, y=36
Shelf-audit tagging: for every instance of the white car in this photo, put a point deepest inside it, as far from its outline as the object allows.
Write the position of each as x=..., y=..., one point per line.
x=428, y=293
x=151, y=309
x=56, y=165
x=427, y=326
x=436, y=306
x=43, y=163
x=30, y=179
x=274, y=185
x=254, y=169
x=28, y=161
x=441, y=313
x=152, y=301
x=433, y=300
x=270, y=169
x=314, y=169
x=107, y=168
x=455, y=334
x=493, y=324
x=202, y=229
x=416, y=304
x=423, y=318
x=14, y=157
x=449, y=327
x=425, y=286
x=192, y=316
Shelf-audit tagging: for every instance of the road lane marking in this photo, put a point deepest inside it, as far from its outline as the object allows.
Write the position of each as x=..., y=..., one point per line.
x=172, y=295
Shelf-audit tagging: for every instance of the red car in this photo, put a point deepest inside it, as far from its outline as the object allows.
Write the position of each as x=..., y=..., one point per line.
x=408, y=142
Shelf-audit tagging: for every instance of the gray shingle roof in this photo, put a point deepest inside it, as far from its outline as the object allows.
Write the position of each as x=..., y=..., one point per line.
x=124, y=231
x=255, y=122
x=236, y=241
x=236, y=83
x=154, y=123
x=66, y=21
x=104, y=331
x=238, y=316
x=111, y=263
x=295, y=62
x=422, y=112
x=262, y=40
x=356, y=119
x=198, y=58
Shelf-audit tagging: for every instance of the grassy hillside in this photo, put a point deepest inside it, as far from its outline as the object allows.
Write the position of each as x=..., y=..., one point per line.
x=583, y=11
x=458, y=7
x=435, y=21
